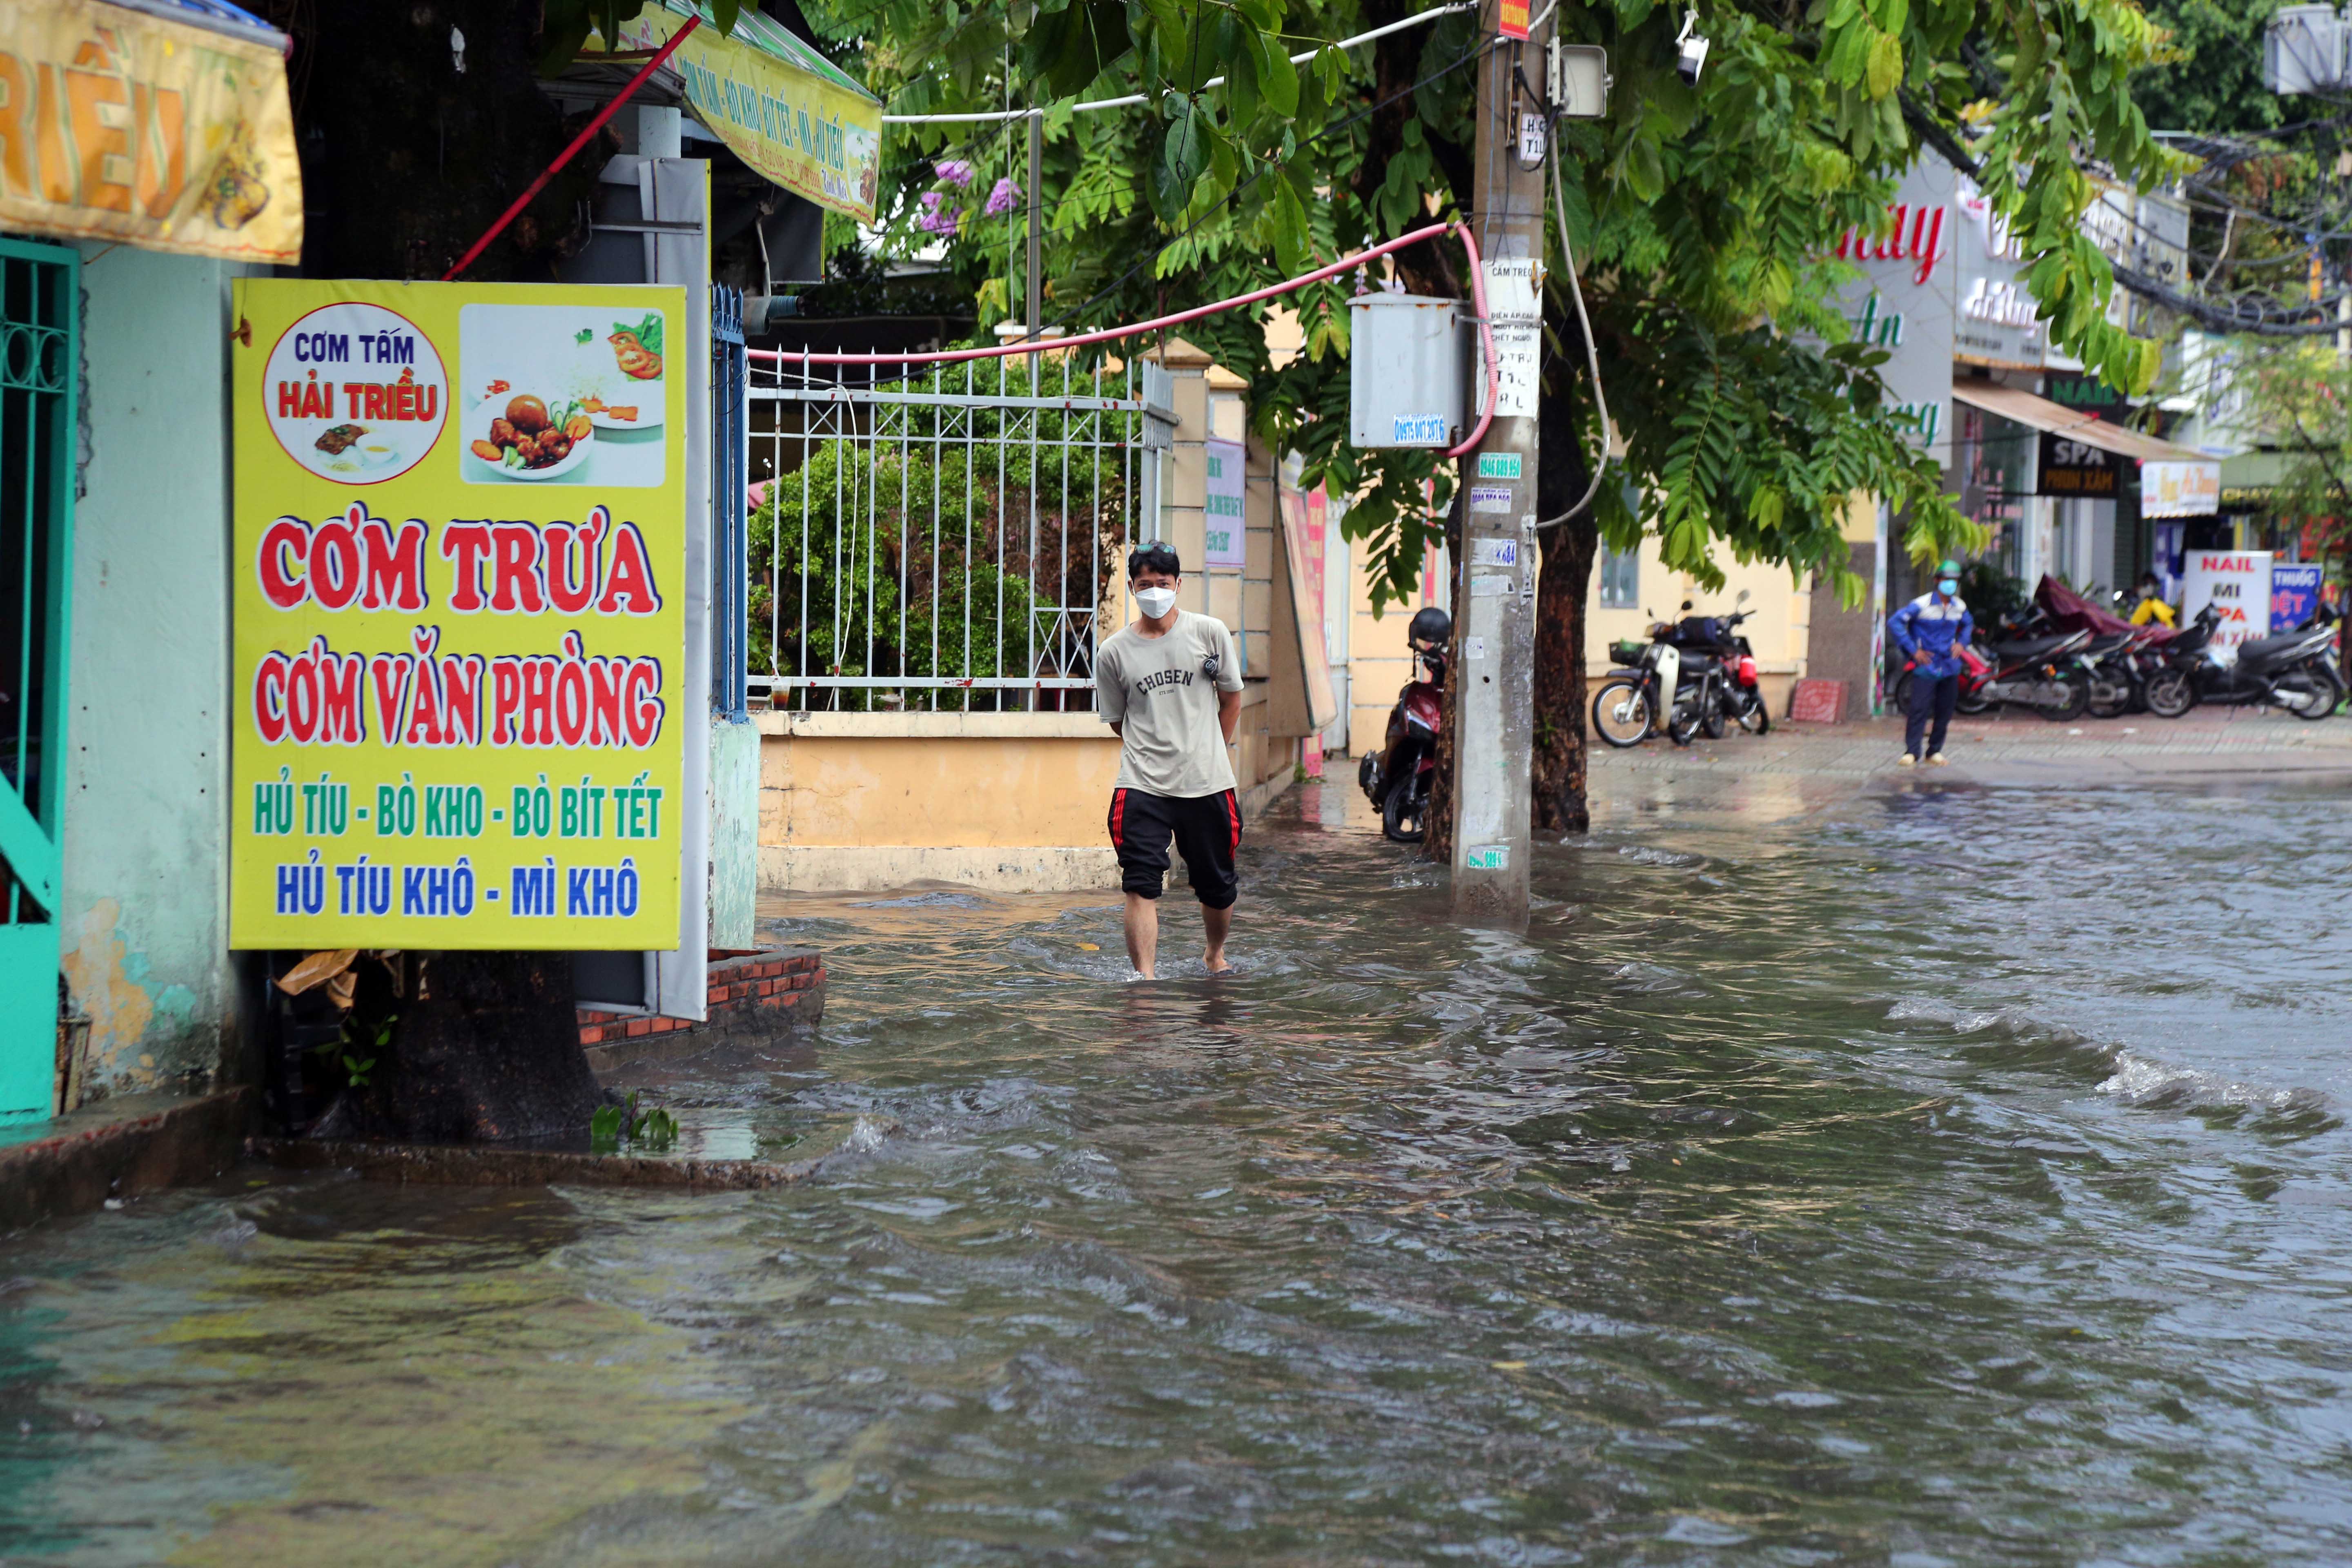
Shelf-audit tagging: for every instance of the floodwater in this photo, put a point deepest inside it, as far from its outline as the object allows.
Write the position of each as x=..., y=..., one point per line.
x=1908, y=1175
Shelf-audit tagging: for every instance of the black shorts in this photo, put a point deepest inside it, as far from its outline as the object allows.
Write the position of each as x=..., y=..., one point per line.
x=1207, y=829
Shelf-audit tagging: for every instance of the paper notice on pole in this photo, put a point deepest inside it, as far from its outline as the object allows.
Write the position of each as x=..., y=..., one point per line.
x=1515, y=315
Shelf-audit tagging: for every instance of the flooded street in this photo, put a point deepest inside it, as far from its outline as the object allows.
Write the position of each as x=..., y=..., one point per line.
x=1916, y=1174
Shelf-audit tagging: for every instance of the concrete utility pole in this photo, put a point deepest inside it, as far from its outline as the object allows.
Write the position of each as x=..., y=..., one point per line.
x=1495, y=598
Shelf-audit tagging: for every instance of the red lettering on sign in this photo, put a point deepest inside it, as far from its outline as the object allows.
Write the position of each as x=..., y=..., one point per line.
x=466, y=544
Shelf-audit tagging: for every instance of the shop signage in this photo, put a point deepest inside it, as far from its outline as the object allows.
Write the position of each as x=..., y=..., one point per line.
x=1902, y=304
x=2294, y=594
x=1995, y=322
x=2179, y=488
x=118, y=125
x=2237, y=582
x=459, y=603
x=803, y=125
x=1227, y=544
x=2072, y=467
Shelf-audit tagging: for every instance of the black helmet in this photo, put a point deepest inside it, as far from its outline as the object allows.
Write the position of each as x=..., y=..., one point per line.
x=1430, y=625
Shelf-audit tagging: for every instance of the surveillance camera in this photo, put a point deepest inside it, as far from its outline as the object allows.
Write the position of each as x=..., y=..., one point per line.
x=1690, y=49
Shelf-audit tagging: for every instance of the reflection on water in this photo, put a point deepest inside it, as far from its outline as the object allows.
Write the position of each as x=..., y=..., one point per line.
x=1942, y=1174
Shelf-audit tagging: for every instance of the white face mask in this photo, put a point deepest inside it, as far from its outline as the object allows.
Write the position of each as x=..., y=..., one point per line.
x=1155, y=602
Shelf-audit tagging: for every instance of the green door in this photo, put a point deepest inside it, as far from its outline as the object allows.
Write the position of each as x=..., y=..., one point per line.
x=40, y=288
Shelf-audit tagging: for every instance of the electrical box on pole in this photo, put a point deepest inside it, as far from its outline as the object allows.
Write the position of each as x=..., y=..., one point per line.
x=2304, y=50
x=1410, y=369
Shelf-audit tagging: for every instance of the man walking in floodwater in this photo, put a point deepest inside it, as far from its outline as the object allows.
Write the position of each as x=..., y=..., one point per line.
x=1170, y=688
x=1931, y=630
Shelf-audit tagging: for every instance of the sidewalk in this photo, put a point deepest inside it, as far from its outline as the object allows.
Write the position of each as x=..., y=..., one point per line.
x=2003, y=747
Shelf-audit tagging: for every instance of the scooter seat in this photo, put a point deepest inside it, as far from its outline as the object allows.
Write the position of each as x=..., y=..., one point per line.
x=2030, y=647
x=2102, y=646
x=2257, y=650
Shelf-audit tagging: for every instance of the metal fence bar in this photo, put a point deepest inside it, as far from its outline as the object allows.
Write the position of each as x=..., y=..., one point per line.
x=1063, y=478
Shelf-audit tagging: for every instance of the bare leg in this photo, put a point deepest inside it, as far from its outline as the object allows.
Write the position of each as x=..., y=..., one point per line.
x=1142, y=933
x=1218, y=922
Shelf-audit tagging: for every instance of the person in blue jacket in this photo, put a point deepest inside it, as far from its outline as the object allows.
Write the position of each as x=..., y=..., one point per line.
x=1931, y=630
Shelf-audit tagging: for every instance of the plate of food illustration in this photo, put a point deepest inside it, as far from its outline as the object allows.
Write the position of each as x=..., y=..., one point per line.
x=354, y=450
x=622, y=381
x=520, y=436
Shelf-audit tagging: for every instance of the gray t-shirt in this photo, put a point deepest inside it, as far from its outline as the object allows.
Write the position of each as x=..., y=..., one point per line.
x=1161, y=694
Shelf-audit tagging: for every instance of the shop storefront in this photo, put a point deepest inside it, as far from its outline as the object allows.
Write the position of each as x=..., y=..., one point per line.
x=158, y=166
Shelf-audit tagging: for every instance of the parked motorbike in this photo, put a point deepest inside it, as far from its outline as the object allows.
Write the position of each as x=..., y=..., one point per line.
x=1398, y=777
x=2044, y=673
x=1733, y=696
x=2295, y=670
x=1656, y=688
x=1975, y=670
x=2110, y=665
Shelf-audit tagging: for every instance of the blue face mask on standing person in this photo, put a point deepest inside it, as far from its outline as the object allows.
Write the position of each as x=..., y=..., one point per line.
x=1947, y=586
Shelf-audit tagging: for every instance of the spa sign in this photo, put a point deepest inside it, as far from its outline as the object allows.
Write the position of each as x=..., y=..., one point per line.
x=460, y=627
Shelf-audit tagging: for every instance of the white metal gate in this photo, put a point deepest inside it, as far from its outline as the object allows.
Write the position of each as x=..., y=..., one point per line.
x=950, y=537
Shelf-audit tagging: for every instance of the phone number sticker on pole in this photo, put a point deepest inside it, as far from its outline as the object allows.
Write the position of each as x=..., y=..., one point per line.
x=460, y=545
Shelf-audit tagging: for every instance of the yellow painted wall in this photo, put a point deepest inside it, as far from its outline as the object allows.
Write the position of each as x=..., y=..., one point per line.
x=1778, y=631
x=1379, y=661
x=975, y=780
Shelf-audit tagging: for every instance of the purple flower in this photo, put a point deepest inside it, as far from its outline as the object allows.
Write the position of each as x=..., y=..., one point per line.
x=956, y=172
x=1003, y=198
x=937, y=218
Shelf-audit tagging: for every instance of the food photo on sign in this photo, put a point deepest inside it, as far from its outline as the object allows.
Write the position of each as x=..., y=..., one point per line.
x=558, y=394
x=458, y=720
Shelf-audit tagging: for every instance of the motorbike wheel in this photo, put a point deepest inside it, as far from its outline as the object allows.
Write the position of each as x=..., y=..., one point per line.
x=1898, y=695
x=2110, y=694
x=2171, y=693
x=1711, y=706
x=2326, y=693
x=1621, y=713
x=1403, y=813
x=2074, y=694
x=1683, y=724
x=1969, y=702
x=1754, y=717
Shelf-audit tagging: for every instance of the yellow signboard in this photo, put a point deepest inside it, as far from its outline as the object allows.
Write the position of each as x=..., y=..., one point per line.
x=460, y=617
x=117, y=125
x=811, y=130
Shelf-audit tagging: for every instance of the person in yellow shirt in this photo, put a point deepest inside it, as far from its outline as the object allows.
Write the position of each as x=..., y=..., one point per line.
x=2151, y=606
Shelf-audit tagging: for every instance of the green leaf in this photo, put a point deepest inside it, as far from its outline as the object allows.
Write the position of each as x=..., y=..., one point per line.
x=1277, y=78
x=1645, y=169
x=1241, y=96
x=1068, y=48
x=1183, y=159
x=1291, y=252
x=1886, y=68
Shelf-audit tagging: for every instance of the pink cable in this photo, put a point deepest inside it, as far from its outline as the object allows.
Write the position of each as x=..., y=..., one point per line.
x=1112, y=334
x=1485, y=344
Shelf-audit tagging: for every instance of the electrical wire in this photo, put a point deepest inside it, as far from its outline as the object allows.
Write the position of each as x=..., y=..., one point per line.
x=1134, y=98
x=781, y=357
x=1476, y=51
x=1584, y=325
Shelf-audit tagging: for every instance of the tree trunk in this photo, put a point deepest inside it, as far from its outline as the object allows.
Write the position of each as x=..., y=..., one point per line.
x=490, y=1053
x=1562, y=744
x=1562, y=473
x=1437, y=841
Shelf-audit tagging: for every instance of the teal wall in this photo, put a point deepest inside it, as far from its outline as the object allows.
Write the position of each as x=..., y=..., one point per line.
x=145, y=938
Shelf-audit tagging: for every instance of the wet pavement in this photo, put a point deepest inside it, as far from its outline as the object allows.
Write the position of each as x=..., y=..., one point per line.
x=1841, y=1169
